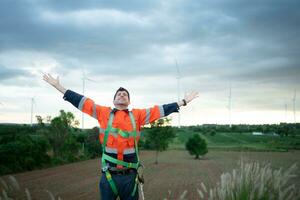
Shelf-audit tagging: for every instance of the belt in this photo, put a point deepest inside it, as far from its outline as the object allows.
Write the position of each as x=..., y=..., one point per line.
x=121, y=171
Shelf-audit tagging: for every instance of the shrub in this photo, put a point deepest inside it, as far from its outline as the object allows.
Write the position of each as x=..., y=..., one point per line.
x=93, y=147
x=196, y=146
x=24, y=153
x=212, y=133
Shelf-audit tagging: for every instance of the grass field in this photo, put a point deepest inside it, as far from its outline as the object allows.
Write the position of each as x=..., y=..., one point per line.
x=176, y=173
x=240, y=141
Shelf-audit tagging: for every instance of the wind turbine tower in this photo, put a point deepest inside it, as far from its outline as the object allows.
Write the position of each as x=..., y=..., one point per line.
x=294, y=105
x=229, y=106
x=32, y=103
x=285, y=106
x=84, y=78
x=178, y=89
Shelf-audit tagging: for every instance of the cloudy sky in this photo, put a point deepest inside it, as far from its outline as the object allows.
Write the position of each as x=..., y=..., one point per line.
x=252, y=47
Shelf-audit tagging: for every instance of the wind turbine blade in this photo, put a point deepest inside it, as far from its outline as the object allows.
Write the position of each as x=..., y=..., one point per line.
x=89, y=79
x=83, y=72
x=84, y=76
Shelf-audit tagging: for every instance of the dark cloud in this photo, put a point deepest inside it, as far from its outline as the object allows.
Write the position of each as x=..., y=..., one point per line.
x=227, y=39
x=11, y=73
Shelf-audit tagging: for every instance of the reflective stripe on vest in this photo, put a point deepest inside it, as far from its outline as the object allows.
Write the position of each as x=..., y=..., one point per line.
x=147, y=120
x=115, y=151
x=94, y=111
x=161, y=111
x=81, y=103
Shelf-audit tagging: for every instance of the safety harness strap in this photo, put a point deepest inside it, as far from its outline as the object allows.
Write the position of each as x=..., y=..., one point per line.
x=119, y=162
x=136, y=150
x=104, y=166
x=125, y=134
x=111, y=182
x=116, y=161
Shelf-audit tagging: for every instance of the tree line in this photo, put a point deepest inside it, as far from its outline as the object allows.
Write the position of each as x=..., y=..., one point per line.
x=282, y=129
x=50, y=142
x=57, y=141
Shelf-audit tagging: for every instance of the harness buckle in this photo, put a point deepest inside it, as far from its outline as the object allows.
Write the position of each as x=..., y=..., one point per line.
x=104, y=169
x=140, y=174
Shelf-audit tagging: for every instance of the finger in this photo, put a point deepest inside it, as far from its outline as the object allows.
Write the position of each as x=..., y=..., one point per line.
x=45, y=77
x=195, y=94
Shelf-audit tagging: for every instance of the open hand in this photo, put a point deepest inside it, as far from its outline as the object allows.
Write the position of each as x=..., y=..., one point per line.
x=189, y=97
x=52, y=81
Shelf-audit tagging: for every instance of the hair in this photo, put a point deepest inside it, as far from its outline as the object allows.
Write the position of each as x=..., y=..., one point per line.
x=121, y=89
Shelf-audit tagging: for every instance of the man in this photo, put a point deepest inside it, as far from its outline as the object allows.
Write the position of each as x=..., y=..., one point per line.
x=119, y=135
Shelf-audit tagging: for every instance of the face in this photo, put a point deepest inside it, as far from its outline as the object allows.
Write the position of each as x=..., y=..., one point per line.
x=122, y=98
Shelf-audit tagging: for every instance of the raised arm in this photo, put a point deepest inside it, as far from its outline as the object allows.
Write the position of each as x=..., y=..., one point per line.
x=54, y=82
x=81, y=102
x=149, y=115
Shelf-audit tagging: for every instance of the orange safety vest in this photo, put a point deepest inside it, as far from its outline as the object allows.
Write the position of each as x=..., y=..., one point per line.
x=117, y=142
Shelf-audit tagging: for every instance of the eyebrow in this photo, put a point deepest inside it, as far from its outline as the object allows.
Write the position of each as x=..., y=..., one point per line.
x=122, y=93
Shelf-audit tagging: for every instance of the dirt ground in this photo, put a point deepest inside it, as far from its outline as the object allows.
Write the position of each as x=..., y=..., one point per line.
x=177, y=174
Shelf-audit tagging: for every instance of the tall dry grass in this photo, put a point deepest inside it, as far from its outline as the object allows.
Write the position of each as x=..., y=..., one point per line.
x=11, y=190
x=254, y=181
x=251, y=181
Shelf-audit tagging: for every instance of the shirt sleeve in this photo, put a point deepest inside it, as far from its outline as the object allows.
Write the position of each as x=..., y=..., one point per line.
x=149, y=115
x=86, y=104
x=170, y=108
x=73, y=97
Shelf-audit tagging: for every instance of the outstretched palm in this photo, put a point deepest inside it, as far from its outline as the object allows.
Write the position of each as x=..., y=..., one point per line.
x=189, y=97
x=52, y=81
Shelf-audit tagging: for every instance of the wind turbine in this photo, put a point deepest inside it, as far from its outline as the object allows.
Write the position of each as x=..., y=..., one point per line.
x=178, y=89
x=1, y=105
x=229, y=106
x=294, y=105
x=32, y=103
x=285, y=106
x=84, y=78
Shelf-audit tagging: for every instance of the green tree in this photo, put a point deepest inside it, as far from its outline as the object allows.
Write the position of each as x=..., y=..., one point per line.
x=159, y=136
x=93, y=146
x=60, y=129
x=70, y=148
x=212, y=132
x=196, y=146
